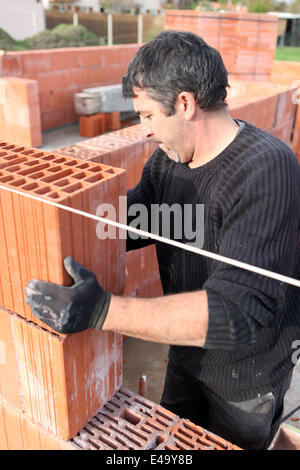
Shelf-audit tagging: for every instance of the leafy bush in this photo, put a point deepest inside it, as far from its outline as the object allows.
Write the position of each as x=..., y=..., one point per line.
x=63, y=35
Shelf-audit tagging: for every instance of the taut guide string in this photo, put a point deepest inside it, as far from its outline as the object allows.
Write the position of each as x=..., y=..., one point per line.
x=192, y=249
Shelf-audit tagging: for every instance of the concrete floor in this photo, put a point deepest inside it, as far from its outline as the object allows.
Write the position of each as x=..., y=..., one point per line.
x=144, y=358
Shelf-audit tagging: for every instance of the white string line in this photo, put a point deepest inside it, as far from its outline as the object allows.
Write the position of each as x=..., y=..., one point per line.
x=192, y=249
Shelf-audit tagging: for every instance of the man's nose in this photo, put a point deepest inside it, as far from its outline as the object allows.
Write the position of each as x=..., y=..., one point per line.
x=146, y=130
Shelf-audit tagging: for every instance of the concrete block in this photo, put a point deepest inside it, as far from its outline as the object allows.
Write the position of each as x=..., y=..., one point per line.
x=104, y=99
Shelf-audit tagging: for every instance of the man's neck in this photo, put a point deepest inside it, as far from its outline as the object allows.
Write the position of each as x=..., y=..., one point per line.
x=214, y=131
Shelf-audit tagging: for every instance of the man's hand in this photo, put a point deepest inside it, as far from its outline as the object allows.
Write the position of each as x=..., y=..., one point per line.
x=69, y=309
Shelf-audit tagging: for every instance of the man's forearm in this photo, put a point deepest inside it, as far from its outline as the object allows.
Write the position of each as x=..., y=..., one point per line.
x=180, y=319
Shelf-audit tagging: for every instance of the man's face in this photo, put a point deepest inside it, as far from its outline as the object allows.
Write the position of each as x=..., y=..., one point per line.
x=168, y=131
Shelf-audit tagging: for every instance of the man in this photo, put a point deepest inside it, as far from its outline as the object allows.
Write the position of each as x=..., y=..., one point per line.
x=231, y=330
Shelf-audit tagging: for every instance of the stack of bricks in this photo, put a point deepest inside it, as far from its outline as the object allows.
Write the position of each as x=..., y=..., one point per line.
x=246, y=41
x=131, y=422
x=52, y=384
x=99, y=123
x=20, y=111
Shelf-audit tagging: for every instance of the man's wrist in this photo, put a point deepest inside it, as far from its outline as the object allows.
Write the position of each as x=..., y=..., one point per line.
x=100, y=311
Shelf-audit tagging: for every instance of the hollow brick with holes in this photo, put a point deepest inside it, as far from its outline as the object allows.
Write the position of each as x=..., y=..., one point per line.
x=35, y=247
x=58, y=382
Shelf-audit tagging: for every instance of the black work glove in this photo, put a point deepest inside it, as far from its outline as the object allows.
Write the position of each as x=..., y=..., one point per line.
x=69, y=309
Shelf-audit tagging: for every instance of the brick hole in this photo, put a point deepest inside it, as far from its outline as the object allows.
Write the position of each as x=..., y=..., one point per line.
x=54, y=195
x=38, y=155
x=185, y=433
x=95, y=169
x=181, y=446
x=9, y=147
x=94, y=179
x=163, y=421
x=128, y=436
x=38, y=175
x=2, y=154
x=18, y=182
x=30, y=186
x=9, y=157
x=83, y=166
x=217, y=441
x=160, y=439
x=115, y=402
x=55, y=169
x=43, y=190
x=72, y=188
x=59, y=160
x=142, y=402
x=153, y=425
x=121, y=440
x=145, y=429
x=48, y=157
x=6, y=179
x=32, y=163
x=130, y=416
x=124, y=392
x=12, y=169
x=109, y=408
x=57, y=176
x=71, y=163
x=33, y=170
x=108, y=442
x=111, y=170
x=3, y=144
x=195, y=429
x=62, y=183
x=81, y=175
x=137, y=432
x=28, y=152
x=164, y=413
x=18, y=149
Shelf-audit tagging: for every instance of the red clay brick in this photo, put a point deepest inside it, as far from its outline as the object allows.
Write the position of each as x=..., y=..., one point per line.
x=64, y=380
x=246, y=41
x=44, y=235
x=129, y=421
x=17, y=432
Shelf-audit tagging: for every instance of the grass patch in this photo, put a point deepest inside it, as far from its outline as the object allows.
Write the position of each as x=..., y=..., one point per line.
x=288, y=53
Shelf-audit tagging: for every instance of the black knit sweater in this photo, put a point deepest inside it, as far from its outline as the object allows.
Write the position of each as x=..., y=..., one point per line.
x=251, y=197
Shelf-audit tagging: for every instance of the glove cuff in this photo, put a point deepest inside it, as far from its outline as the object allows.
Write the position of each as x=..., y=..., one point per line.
x=100, y=311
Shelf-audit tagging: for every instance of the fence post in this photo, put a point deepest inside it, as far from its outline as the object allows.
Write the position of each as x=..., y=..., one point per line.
x=75, y=18
x=34, y=22
x=109, y=29
x=140, y=29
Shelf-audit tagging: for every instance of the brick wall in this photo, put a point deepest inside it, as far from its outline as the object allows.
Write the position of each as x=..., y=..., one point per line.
x=56, y=381
x=58, y=74
x=246, y=41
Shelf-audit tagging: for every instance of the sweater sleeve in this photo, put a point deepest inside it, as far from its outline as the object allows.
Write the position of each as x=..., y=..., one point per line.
x=261, y=228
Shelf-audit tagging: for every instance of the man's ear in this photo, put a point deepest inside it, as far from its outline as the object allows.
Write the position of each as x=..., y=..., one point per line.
x=186, y=103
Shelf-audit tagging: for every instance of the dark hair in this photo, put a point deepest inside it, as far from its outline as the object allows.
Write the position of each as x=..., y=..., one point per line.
x=176, y=61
